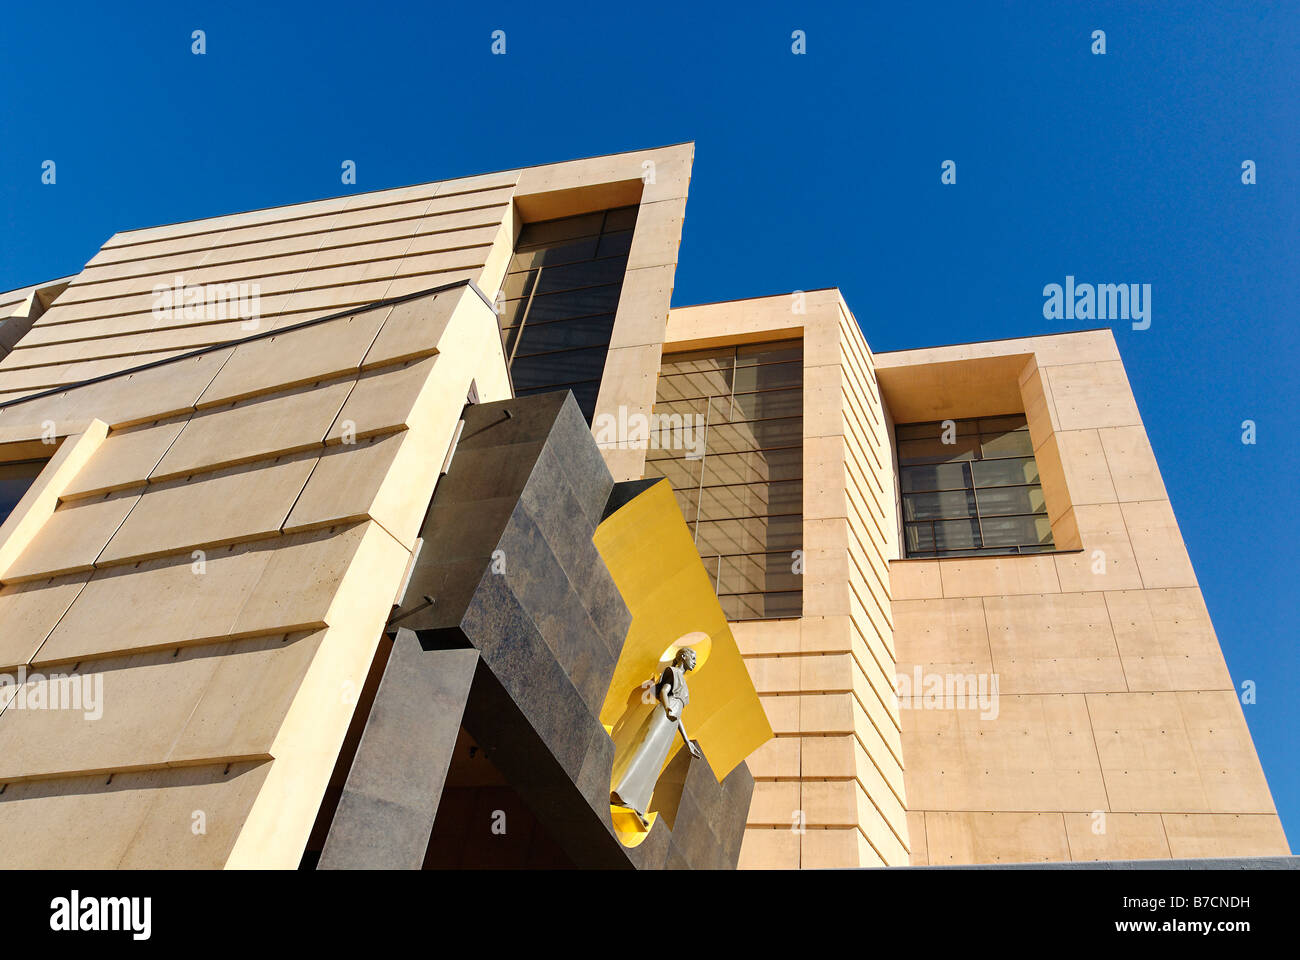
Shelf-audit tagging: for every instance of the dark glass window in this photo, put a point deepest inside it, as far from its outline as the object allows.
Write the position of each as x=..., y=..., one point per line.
x=561, y=293
x=15, y=480
x=971, y=488
x=743, y=499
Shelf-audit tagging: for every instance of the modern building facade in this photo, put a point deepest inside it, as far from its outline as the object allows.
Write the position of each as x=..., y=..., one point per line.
x=287, y=491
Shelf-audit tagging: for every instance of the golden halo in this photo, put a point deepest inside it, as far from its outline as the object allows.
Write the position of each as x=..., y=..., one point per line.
x=697, y=640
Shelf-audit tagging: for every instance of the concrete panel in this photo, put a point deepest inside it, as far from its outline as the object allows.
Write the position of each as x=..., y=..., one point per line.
x=137, y=820
x=941, y=636
x=1178, y=753
x=145, y=395
x=345, y=482
x=1088, y=395
x=768, y=637
x=836, y=849
x=1166, y=640
x=995, y=837
x=879, y=773
x=253, y=429
x=285, y=584
x=778, y=758
x=29, y=611
x=1145, y=752
x=414, y=327
x=769, y=849
x=1106, y=561
x=237, y=503
x=991, y=576
x=382, y=400
x=313, y=353
x=1036, y=754
x=774, y=674
x=1158, y=546
x=308, y=741
x=1050, y=350
x=642, y=316
x=1036, y=398
x=1053, y=643
x=975, y=387
x=162, y=602
x=1225, y=835
x=1100, y=835
x=74, y=536
x=920, y=852
x=214, y=702
x=844, y=803
x=166, y=836
x=126, y=458
x=299, y=586
x=1087, y=473
x=1132, y=464
x=1225, y=754
x=658, y=235
x=31, y=514
x=915, y=580
x=775, y=803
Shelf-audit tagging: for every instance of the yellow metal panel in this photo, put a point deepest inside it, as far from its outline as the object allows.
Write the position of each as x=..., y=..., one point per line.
x=652, y=558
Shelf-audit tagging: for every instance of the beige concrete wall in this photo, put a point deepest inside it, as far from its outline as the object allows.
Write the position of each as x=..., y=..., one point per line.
x=829, y=788
x=219, y=567
x=307, y=260
x=1118, y=732
x=220, y=536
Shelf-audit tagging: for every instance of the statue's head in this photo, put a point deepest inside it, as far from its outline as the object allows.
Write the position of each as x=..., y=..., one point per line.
x=685, y=659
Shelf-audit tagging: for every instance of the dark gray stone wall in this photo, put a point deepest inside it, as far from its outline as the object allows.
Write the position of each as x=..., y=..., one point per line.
x=508, y=570
x=386, y=811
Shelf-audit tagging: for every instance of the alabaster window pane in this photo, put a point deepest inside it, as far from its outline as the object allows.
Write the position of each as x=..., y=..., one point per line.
x=995, y=473
x=937, y=506
x=999, y=501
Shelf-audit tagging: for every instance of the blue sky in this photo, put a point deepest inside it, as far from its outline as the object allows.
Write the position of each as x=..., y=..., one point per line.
x=811, y=171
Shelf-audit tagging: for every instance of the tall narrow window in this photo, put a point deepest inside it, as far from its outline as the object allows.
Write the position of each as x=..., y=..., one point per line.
x=561, y=294
x=15, y=480
x=971, y=488
x=741, y=488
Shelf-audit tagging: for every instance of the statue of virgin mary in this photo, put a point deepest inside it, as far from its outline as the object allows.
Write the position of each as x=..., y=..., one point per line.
x=654, y=739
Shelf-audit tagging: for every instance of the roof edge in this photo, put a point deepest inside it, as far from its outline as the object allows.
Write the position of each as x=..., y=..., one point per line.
x=397, y=186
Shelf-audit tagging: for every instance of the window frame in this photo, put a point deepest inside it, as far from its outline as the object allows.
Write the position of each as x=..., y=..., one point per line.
x=65, y=454
x=972, y=430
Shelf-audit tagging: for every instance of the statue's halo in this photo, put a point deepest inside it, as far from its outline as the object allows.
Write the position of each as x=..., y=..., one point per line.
x=697, y=640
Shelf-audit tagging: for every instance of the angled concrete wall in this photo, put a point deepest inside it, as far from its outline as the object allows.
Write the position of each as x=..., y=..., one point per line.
x=216, y=574
x=829, y=789
x=1118, y=733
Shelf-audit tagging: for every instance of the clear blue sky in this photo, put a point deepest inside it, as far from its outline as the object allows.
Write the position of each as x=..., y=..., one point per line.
x=810, y=171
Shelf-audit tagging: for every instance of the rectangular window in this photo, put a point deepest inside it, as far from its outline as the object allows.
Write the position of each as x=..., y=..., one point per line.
x=970, y=488
x=561, y=294
x=743, y=499
x=15, y=480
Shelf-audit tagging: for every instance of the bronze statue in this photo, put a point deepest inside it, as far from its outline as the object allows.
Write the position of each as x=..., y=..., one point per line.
x=655, y=738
